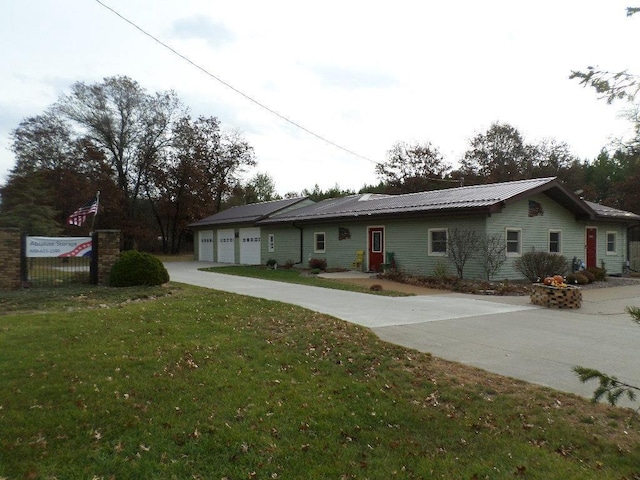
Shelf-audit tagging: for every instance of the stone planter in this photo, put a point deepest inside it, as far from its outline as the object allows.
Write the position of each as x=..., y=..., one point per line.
x=554, y=297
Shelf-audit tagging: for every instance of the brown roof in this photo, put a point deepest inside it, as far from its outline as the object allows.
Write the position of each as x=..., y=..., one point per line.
x=247, y=213
x=603, y=212
x=477, y=198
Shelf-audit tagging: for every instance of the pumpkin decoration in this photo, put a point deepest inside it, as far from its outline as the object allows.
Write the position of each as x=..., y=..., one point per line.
x=558, y=278
x=547, y=281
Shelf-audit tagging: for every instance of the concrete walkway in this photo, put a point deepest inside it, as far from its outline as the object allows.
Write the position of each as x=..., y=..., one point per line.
x=504, y=335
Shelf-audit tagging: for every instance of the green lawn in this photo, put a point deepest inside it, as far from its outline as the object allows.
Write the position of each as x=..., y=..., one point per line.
x=296, y=276
x=186, y=382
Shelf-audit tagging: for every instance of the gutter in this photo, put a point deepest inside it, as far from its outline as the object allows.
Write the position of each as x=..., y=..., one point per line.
x=301, y=244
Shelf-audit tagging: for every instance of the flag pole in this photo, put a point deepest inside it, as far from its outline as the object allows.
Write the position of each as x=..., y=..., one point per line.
x=97, y=208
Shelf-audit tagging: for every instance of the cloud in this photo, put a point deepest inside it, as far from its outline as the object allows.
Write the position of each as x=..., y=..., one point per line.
x=351, y=78
x=201, y=27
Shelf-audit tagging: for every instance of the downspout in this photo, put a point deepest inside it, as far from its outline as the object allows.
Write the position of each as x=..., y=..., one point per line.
x=301, y=243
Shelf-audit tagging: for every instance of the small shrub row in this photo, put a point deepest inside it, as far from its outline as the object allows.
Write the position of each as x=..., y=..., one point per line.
x=590, y=275
x=318, y=264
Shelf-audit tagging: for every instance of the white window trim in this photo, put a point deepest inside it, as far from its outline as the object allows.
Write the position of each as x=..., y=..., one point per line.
x=506, y=240
x=431, y=253
x=315, y=242
x=559, y=252
x=615, y=243
x=271, y=243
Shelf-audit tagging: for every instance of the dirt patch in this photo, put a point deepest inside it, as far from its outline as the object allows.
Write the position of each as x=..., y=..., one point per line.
x=391, y=286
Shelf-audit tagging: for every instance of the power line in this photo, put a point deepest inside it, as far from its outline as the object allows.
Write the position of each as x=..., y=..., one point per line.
x=228, y=85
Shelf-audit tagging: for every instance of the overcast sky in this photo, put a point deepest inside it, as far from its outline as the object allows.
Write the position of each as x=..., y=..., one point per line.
x=364, y=75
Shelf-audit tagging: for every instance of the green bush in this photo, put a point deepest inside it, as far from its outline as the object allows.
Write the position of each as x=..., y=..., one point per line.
x=599, y=273
x=537, y=265
x=137, y=268
x=577, y=278
x=318, y=264
x=590, y=275
x=272, y=262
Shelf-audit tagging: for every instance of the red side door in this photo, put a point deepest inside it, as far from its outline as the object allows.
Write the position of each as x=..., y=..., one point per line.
x=376, y=248
x=591, y=234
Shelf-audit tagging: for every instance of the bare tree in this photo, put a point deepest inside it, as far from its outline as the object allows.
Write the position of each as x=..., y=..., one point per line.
x=461, y=247
x=494, y=254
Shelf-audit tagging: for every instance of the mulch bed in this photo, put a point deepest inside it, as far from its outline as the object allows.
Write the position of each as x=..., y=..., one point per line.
x=480, y=287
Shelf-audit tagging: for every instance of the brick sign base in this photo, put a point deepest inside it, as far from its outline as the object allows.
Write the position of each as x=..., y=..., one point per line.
x=554, y=297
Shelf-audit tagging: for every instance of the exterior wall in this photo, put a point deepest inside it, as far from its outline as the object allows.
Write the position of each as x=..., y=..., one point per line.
x=535, y=230
x=407, y=239
x=338, y=253
x=535, y=234
x=10, y=249
x=286, y=244
x=613, y=262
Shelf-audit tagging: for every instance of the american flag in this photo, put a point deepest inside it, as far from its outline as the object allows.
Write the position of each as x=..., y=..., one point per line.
x=78, y=217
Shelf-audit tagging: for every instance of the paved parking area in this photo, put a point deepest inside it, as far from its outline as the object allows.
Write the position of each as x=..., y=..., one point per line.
x=504, y=335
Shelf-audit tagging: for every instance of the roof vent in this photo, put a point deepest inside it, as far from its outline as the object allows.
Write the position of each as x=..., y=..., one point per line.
x=365, y=197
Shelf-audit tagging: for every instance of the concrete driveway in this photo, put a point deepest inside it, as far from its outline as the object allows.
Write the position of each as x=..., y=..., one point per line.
x=504, y=335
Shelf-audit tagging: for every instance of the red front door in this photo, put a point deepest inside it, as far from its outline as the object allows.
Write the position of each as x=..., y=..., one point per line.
x=591, y=234
x=376, y=248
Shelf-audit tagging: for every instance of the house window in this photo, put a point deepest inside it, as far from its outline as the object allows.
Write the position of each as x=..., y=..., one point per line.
x=554, y=241
x=318, y=242
x=438, y=242
x=611, y=243
x=272, y=242
x=514, y=241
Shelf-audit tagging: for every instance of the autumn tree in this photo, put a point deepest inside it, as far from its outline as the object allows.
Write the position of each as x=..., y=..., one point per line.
x=498, y=155
x=60, y=169
x=201, y=169
x=130, y=126
x=157, y=168
x=412, y=167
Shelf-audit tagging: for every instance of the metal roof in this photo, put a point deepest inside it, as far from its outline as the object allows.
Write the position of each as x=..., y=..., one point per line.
x=486, y=198
x=482, y=199
x=247, y=213
x=604, y=212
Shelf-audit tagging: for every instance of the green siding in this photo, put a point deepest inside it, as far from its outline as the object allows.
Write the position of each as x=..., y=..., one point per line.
x=286, y=244
x=408, y=239
x=614, y=263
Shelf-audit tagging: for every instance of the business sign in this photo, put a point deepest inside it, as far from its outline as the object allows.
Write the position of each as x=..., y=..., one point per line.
x=58, y=246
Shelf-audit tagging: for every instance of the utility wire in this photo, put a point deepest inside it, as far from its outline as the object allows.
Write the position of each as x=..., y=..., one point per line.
x=228, y=85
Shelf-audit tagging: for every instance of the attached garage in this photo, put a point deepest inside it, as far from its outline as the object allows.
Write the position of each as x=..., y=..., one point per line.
x=237, y=225
x=205, y=245
x=250, y=246
x=226, y=246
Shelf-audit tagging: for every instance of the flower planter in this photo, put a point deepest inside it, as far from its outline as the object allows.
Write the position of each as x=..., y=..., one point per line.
x=556, y=297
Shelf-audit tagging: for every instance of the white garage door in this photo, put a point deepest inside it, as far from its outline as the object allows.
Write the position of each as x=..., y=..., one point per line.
x=205, y=245
x=250, y=246
x=226, y=246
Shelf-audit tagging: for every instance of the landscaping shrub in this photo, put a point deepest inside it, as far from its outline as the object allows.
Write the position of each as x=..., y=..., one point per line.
x=440, y=269
x=137, y=268
x=271, y=263
x=538, y=265
x=577, y=279
x=318, y=264
x=288, y=264
x=599, y=273
x=590, y=275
